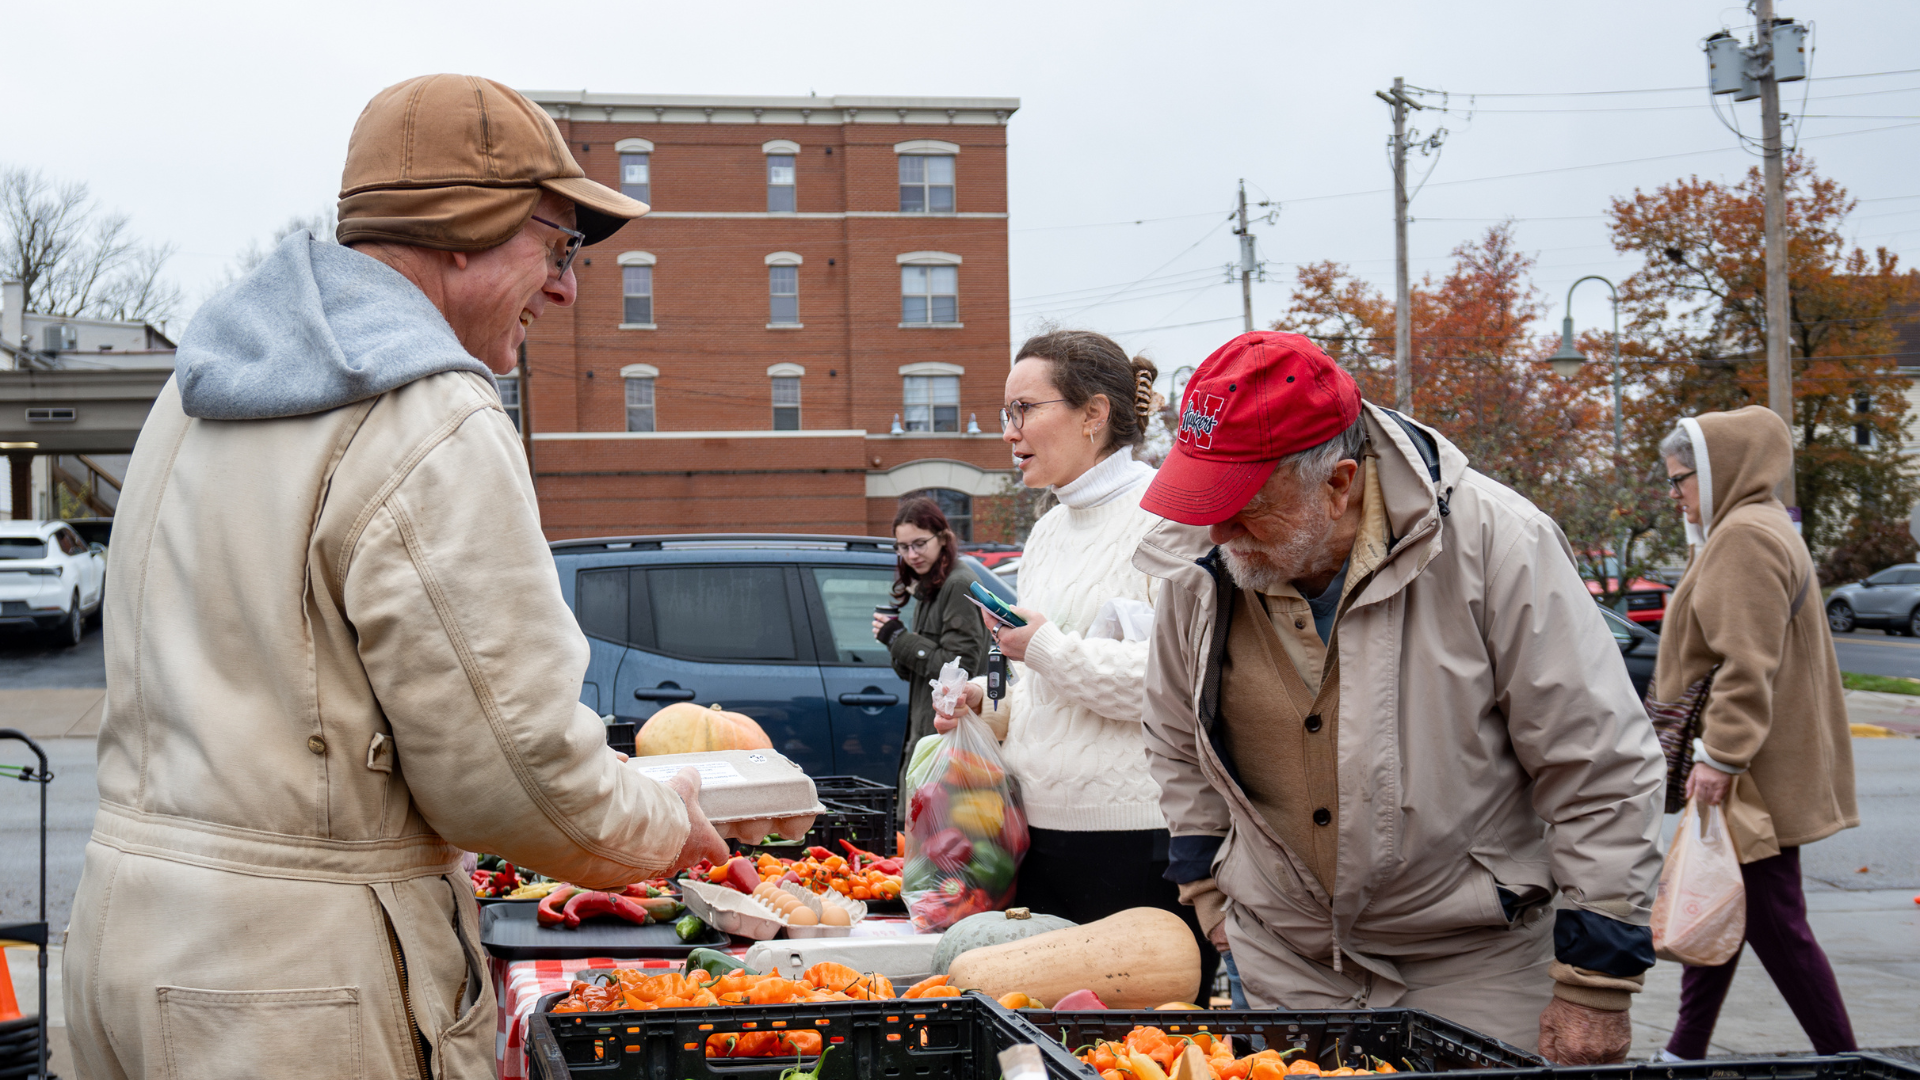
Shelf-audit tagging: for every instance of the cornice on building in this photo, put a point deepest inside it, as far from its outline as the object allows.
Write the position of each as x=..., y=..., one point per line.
x=585, y=106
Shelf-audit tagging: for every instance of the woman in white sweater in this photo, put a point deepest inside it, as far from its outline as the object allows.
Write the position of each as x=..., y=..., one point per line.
x=1070, y=725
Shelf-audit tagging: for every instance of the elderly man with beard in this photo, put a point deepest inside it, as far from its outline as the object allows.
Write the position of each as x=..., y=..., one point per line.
x=1388, y=724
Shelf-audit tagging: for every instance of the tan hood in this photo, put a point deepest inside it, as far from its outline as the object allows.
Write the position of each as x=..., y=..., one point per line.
x=1741, y=457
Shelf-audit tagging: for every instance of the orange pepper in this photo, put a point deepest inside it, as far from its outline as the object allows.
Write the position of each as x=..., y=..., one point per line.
x=942, y=992
x=920, y=988
x=1266, y=1070
x=1303, y=1068
x=860, y=892
x=772, y=992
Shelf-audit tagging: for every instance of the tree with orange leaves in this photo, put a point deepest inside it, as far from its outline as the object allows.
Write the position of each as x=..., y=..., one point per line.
x=1696, y=312
x=1479, y=377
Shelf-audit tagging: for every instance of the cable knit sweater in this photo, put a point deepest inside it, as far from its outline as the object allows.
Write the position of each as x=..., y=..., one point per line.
x=1073, y=734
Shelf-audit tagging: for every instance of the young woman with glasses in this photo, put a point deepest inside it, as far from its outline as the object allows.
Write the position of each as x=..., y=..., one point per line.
x=945, y=626
x=1070, y=726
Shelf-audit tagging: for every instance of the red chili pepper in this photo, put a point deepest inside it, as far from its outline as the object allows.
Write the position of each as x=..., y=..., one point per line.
x=586, y=905
x=860, y=853
x=549, y=913
x=821, y=853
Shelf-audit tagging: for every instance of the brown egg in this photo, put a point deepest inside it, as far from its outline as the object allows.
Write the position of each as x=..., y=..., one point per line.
x=763, y=889
x=803, y=916
x=834, y=915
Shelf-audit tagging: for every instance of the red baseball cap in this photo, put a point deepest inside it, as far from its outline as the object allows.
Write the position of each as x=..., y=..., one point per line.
x=1257, y=399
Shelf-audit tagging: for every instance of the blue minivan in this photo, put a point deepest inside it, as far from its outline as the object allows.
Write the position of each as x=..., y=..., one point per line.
x=778, y=627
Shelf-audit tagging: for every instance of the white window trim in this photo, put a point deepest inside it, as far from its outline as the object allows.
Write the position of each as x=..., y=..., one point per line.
x=786, y=326
x=933, y=326
x=780, y=146
x=785, y=258
x=638, y=326
x=937, y=258
x=931, y=367
x=633, y=146
x=785, y=371
x=926, y=146
x=635, y=258
x=639, y=371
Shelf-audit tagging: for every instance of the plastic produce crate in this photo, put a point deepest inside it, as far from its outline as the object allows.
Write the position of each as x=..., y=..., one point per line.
x=1408, y=1039
x=858, y=791
x=959, y=1038
x=863, y=827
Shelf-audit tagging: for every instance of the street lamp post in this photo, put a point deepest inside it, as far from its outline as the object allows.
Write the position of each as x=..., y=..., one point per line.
x=1567, y=361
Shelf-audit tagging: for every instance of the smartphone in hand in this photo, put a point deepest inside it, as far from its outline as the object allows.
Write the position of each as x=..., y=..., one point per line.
x=993, y=605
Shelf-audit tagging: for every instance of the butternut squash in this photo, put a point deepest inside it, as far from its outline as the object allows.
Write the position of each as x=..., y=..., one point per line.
x=1135, y=959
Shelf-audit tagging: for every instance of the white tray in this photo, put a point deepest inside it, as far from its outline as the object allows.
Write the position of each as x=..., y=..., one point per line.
x=741, y=785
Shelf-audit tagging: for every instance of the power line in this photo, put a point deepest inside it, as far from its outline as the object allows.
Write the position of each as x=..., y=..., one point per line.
x=1102, y=224
x=1677, y=89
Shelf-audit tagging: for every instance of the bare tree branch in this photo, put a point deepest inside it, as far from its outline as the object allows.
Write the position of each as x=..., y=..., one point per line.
x=75, y=260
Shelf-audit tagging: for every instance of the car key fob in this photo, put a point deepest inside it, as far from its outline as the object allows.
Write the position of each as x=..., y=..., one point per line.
x=996, y=674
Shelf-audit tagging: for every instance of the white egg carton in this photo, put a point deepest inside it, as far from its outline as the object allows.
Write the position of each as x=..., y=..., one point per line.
x=855, y=909
x=736, y=913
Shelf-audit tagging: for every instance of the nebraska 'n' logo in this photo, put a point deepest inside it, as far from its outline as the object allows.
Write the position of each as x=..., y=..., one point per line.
x=1197, y=423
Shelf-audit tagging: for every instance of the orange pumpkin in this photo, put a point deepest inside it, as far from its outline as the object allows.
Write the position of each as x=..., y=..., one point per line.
x=686, y=728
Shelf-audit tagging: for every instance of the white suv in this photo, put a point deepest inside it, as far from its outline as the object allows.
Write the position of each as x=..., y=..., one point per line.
x=49, y=578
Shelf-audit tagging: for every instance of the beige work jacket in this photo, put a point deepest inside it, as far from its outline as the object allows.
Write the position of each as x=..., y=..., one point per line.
x=1489, y=736
x=337, y=654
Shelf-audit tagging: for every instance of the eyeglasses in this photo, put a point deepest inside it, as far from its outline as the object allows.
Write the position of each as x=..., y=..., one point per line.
x=1017, y=419
x=914, y=546
x=1675, y=481
x=564, y=258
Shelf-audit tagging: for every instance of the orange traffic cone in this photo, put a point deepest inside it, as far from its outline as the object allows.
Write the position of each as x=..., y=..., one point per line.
x=9, y=1006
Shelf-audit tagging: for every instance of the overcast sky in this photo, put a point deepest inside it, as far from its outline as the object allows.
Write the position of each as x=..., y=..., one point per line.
x=210, y=124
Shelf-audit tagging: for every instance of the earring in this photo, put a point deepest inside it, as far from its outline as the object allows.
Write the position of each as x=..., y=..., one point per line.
x=1093, y=436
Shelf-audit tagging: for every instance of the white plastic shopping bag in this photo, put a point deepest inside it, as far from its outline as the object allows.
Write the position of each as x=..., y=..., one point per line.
x=1700, y=914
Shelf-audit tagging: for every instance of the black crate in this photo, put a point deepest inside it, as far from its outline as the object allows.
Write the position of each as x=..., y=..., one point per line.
x=858, y=791
x=958, y=1038
x=620, y=735
x=863, y=827
x=1405, y=1038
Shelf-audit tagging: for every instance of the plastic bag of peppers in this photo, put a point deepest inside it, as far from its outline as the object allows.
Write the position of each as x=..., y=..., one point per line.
x=966, y=834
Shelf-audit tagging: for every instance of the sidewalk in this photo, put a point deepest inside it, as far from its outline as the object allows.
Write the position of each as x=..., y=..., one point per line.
x=53, y=714
x=1897, y=713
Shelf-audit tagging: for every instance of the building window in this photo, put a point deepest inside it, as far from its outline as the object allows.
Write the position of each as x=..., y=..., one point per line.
x=780, y=183
x=786, y=403
x=634, y=177
x=510, y=397
x=929, y=294
x=932, y=403
x=926, y=184
x=957, y=505
x=636, y=286
x=783, y=287
x=640, y=404
x=1862, y=429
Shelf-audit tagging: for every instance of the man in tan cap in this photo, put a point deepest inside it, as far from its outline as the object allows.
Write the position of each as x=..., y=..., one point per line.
x=339, y=654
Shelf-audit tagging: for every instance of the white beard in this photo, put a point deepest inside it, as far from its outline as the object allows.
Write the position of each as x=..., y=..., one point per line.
x=1267, y=567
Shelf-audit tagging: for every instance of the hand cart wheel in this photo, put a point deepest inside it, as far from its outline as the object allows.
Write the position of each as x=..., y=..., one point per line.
x=35, y=932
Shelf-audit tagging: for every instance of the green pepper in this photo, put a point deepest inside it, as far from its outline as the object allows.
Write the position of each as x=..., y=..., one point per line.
x=690, y=928
x=714, y=963
x=991, y=868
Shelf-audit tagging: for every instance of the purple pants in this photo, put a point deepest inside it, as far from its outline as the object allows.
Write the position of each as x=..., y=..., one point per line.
x=1778, y=932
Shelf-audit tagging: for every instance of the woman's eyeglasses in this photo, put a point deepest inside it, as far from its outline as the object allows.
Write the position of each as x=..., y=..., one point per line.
x=1014, y=416
x=563, y=258
x=915, y=546
x=1674, y=482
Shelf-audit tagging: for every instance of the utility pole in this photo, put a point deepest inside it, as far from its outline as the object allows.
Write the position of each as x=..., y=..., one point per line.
x=1398, y=100
x=1246, y=264
x=1779, y=371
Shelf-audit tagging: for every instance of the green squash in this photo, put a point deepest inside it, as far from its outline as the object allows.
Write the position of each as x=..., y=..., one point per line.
x=991, y=928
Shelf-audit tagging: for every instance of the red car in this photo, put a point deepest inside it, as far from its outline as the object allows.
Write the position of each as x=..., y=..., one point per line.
x=992, y=555
x=1646, y=600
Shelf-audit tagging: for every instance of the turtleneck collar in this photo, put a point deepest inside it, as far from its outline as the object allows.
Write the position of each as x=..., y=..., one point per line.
x=1110, y=477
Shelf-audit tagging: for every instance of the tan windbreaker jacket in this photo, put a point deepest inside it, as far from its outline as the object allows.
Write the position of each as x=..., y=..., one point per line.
x=1489, y=737
x=337, y=654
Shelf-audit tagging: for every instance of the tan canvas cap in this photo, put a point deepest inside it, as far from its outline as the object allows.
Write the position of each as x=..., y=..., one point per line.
x=457, y=162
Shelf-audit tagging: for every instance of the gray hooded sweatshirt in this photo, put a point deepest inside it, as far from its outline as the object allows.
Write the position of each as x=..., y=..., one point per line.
x=315, y=326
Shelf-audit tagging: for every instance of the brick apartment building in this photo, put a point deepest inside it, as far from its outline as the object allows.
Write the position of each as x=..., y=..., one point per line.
x=810, y=323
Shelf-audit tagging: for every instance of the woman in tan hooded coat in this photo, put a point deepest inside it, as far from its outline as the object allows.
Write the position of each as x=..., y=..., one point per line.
x=1774, y=745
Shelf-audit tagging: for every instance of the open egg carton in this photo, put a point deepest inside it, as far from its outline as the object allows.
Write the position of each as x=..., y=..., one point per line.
x=771, y=914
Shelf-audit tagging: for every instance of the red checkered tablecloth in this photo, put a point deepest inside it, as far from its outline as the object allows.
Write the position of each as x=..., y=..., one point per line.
x=518, y=985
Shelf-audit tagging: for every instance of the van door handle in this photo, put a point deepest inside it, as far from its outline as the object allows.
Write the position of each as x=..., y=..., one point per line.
x=664, y=692
x=870, y=700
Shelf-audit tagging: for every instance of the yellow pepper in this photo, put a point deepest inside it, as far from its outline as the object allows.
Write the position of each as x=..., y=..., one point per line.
x=977, y=813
